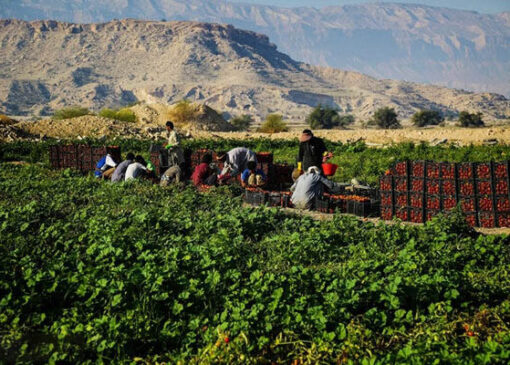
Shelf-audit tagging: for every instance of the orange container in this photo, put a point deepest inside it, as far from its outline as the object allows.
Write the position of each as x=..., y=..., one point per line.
x=329, y=169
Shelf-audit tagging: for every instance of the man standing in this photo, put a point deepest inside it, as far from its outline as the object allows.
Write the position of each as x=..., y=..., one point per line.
x=175, y=152
x=311, y=151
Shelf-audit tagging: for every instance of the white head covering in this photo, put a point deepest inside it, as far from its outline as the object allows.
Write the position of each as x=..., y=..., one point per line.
x=314, y=170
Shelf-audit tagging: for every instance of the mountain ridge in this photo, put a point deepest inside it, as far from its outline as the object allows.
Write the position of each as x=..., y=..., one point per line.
x=235, y=71
x=454, y=48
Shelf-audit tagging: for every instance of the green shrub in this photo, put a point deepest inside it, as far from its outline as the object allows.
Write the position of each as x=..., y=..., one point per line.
x=71, y=112
x=273, y=124
x=242, y=122
x=324, y=117
x=427, y=117
x=385, y=118
x=470, y=120
x=124, y=115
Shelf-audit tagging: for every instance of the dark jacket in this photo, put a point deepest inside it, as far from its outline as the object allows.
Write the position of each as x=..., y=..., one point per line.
x=311, y=153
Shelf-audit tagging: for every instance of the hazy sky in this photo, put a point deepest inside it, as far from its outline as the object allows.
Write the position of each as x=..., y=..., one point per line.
x=483, y=6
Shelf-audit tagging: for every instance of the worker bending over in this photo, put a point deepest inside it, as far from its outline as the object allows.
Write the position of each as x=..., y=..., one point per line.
x=120, y=171
x=308, y=187
x=105, y=167
x=253, y=177
x=236, y=161
x=204, y=173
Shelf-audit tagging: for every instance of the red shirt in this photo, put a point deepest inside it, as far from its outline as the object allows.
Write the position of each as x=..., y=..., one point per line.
x=201, y=173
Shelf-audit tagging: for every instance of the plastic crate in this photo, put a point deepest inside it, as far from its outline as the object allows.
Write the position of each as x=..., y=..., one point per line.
x=386, y=183
x=501, y=187
x=484, y=187
x=401, y=168
x=416, y=215
x=447, y=170
x=433, y=187
x=265, y=157
x=322, y=204
x=503, y=220
x=465, y=171
x=286, y=202
x=448, y=187
x=500, y=170
x=448, y=202
x=433, y=170
x=363, y=209
x=485, y=203
x=401, y=184
x=417, y=184
x=431, y=214
x=418, y=168
x=487, y=219
x=483, y=170
x=502, y=203
x=402, y=214
x=386, y=213
x=467, y=204
x=471, y=219
x=386, y=199
x=255, y=197
x=274, y=199
x=338, y=204
x=401, y=199
x=466, y=188
x=433, y=202
x=417, y=200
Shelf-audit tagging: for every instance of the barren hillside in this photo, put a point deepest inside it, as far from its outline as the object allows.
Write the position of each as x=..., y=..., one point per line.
x=45, y=65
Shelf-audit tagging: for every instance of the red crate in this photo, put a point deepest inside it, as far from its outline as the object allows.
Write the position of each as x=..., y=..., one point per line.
x=449, y=202
x=502, y=187
x=401, y=184
x=502, y=204
x=432, y=213
x=504, y=220
x=401, y=200
x=433, y=202
x=467, y=204
x=418, y=168
x=447, y=170
x=485, y=203
x=471, y=219
x=483, y=171
x=385, y=183
x=487, y=220
x=448, y=187
x=501, y=170
x=401, y=168
x=484, y=187
x=402, y=214
x=465, y=171
x=466, y=188
x=386, y=213
x=433, y=170
x=417, y=200
x=433, y=187
x=386, y=199
x=416, y=215
x=417, y=184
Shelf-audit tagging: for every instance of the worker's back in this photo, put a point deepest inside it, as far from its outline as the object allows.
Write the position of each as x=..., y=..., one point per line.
x=306, y=189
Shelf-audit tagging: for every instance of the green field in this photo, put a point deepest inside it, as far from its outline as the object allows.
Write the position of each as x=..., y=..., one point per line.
x=94, y=272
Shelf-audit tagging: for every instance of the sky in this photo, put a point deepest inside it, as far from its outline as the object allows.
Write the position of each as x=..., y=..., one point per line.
x=482, y=6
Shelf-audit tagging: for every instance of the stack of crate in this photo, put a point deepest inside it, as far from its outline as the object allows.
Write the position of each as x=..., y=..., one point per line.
x=80, y=156
x=416, y=191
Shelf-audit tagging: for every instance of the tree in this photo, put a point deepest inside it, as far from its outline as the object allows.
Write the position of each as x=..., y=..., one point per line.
x=385, y=118
x=324, y=117
x=427, y=117
x=467, y=119
x=273, y=124
x=242, y=122
x=183, y=112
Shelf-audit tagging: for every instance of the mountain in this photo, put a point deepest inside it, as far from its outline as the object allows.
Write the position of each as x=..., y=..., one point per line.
x=45, y=65
x=454, y=48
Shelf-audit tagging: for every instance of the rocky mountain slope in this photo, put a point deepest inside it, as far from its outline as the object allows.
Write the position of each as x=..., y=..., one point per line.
x=454, y=48
x=46, y=65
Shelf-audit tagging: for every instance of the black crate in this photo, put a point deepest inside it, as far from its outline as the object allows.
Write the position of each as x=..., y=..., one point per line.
x=274, y=199
x=255, y=197
x=337, y=204
x=323, y=204
x=286, y=202
x=363, y=209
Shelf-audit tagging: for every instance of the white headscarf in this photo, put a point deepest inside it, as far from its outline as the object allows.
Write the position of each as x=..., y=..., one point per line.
x=314, y=170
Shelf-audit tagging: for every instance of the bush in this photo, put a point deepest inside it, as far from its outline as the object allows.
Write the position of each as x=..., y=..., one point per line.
x=385, y=118
x=124, y=115
x=72, y=112
x=427, y=117
x=183, y=112
x=470, y=120
x=326, y=118
x=242, y=123
x=273, y=124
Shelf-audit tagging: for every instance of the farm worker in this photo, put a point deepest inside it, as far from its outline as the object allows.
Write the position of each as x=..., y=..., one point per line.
x=204, y=174
x=236, y=161
x=309, y=186
x=120, y=172
x=311, y=151
x=172, y=174
x=174, y=150
x=253, y=176
x=105, y=167
x=136, y=169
